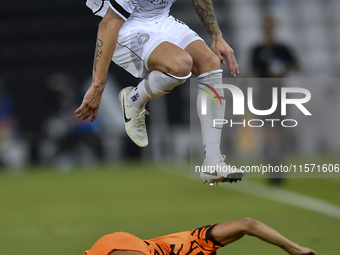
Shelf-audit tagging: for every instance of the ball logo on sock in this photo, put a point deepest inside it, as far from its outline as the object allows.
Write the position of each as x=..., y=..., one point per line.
x=213, y=90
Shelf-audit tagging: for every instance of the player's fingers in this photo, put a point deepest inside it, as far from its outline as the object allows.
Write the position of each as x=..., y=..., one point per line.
x=230, y=63
x=222, y=60
x=219, y=55
x=88, y=114
x=80, y=109
x=82, y=113
x=236, y=66
x=233, y=67
x=94, y=115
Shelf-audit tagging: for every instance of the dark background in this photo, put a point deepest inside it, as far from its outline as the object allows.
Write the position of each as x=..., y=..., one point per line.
x=39, y=38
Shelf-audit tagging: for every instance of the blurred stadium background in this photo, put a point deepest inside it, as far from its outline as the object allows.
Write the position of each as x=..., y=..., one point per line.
x=65, y=183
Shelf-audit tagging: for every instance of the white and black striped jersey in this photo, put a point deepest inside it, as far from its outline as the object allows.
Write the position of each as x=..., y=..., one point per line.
x=121, y=7
x=137, y=9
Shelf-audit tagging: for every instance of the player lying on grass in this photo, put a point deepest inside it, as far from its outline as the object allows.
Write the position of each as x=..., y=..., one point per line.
x=201, y=241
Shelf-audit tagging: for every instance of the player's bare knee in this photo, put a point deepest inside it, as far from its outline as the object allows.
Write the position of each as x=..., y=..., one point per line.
x=183, y=66
x=207, y=63
x=212, y=61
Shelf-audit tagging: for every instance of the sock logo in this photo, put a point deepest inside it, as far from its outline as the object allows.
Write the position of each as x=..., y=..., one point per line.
x=135, y=97
x=213, y=90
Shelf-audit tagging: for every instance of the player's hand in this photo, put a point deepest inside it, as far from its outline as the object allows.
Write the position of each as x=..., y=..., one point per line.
x=303, y=251
x=307, y=251
x=220, y=47
x=90, y=104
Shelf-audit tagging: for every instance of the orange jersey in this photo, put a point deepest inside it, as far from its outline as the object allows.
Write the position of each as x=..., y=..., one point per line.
x=194, y=242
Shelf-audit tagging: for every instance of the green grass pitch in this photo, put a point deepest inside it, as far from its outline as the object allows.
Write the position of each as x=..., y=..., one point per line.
x=44, y=211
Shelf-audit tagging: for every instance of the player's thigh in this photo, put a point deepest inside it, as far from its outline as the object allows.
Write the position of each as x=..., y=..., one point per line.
x=204, y=59
x=169, y=58
x=136, y=41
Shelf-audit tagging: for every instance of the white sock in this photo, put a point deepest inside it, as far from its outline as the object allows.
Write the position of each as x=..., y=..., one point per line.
x=211, y=151
x=211, y=136
x=138, y=96
x=155, y=84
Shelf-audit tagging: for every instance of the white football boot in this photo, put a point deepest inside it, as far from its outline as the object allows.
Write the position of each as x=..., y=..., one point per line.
x=218, y=171
x=134, y=119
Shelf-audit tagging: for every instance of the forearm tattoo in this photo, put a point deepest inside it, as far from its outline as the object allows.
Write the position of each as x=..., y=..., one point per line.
x=97, y=53
x=205, y=11
x=102, y=83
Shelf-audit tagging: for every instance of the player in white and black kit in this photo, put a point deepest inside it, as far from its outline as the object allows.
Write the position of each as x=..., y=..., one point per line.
x=141, y=37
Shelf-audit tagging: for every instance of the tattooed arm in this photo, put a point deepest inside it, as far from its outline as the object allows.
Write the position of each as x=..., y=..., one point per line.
x=107, y=36
x=206, y=13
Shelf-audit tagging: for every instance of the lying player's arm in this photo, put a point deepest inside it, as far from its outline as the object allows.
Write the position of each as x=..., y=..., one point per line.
x=107, y=37
x=231, y=231
x=206, y=13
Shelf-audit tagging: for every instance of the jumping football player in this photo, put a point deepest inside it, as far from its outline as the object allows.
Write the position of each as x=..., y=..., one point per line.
x=141, y=37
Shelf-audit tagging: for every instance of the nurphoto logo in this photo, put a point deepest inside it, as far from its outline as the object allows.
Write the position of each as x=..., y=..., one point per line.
x=239, y=105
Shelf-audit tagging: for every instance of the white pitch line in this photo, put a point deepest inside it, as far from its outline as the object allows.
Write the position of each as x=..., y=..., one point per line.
x=279, y=195
x=286, y=197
